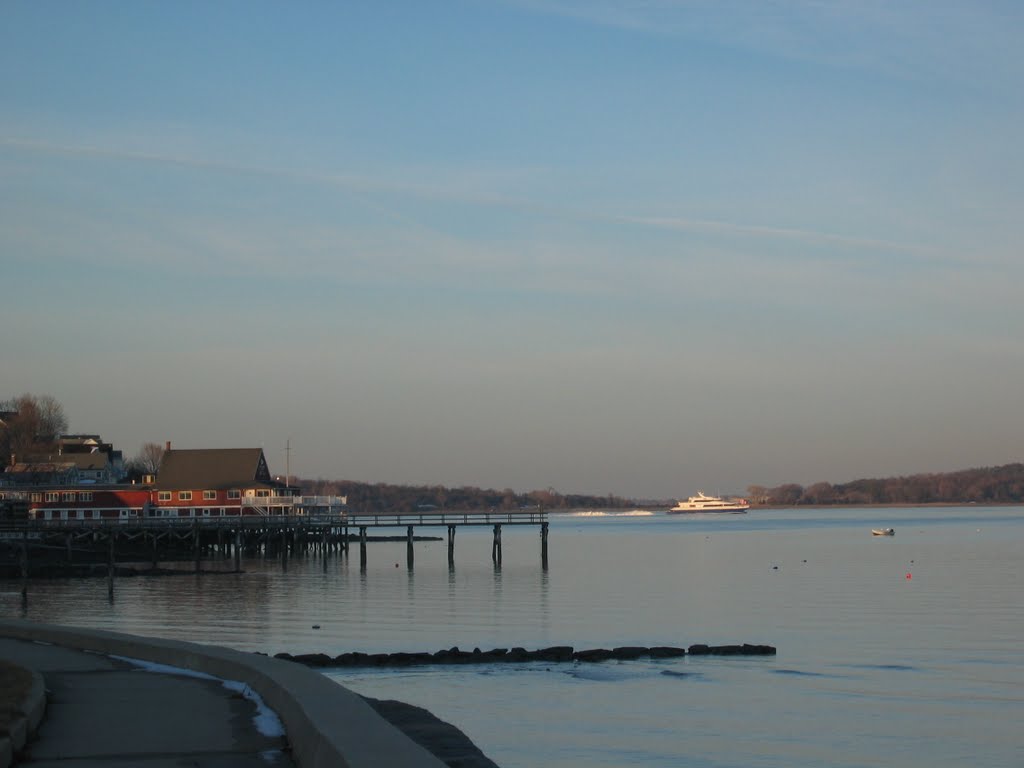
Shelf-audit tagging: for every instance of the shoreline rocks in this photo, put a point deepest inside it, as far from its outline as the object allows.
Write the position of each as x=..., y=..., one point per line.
x=553, y=654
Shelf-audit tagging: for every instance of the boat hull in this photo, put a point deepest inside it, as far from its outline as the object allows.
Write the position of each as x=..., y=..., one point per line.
x=704, y=503
x=715, y=510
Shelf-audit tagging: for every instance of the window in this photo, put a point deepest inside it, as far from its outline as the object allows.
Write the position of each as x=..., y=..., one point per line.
x=163, y=496
x=234, y=494
x=85, y=496
x=37, y=497
x=208, y=495
x=262, y=493
x=184, y=495
x=52, y=496
x=69, y=496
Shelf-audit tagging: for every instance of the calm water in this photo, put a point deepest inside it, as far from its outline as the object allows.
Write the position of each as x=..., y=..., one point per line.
x=874, y=668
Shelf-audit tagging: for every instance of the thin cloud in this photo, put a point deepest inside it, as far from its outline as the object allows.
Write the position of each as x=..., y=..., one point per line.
x=784, y=233
x=911, y=40
x=440, y=192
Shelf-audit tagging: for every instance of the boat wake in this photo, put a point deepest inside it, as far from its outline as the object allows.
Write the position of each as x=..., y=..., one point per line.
x=610, y=513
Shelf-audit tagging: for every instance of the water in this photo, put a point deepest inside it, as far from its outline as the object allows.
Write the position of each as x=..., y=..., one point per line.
x=901, y=651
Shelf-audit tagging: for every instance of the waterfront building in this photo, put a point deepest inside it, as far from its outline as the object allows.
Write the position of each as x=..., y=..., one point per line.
x=191, y=483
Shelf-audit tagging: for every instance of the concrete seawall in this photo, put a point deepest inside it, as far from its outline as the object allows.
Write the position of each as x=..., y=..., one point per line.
x=327, y=725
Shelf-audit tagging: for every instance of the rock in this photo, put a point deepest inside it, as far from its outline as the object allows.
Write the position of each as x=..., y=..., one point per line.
x=313, y=659
x=666, y=652
x=518, y=654
x=593, y=655
x=555, y=653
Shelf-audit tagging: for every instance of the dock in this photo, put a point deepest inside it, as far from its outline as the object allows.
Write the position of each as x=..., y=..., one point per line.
x=27, y=545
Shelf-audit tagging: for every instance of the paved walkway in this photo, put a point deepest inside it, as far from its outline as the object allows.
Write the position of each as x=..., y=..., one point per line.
x=101, y=711
x=104, y=708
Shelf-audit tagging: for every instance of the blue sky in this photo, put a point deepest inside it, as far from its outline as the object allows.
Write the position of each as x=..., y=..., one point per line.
x=620, y=247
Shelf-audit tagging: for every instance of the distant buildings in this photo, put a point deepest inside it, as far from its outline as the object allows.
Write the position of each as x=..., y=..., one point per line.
x=82, y=479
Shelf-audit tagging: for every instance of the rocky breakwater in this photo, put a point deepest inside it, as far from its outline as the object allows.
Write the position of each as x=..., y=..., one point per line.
x=553, y=654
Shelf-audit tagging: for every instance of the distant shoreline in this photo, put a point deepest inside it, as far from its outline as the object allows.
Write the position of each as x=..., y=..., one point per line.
x=763, y=507
x=893, y=505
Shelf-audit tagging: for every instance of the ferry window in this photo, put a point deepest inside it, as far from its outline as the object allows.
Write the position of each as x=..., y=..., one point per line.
x=52, y=496
x=234, y=494
x=37, y=497
x=184, y=495
x=207, y=495
x=85, y=496
x=163, y=496
x=69, y=496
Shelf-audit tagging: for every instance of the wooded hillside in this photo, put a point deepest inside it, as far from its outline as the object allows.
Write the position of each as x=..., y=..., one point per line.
x=383, y=497
x=985, y=485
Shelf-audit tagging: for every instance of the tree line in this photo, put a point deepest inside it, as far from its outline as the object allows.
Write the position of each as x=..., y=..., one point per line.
x=384, y=498
x=984, y=485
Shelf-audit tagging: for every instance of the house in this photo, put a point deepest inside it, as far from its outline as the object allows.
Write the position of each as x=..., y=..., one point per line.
x=39, y=473
x=215, y=482
x=199, y=483
x=75, y=459
x=93, y=445
x=92, y=467
x=89, y=502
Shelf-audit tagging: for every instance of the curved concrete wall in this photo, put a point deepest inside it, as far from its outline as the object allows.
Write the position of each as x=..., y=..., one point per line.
x=327, y=725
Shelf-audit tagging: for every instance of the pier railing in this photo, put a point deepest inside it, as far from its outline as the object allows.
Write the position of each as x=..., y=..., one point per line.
x=533, y=516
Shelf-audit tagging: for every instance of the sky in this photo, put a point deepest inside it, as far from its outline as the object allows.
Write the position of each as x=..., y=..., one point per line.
x=625, y=247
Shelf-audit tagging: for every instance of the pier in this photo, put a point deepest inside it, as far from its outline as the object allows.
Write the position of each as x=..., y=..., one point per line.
x=89, y=545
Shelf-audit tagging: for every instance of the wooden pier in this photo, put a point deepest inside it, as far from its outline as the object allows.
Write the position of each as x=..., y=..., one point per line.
x=66, y=543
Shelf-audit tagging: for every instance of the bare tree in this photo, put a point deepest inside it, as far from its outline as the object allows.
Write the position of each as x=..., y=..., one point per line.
x=52, y=420
x=149, y=458
x=36, y=422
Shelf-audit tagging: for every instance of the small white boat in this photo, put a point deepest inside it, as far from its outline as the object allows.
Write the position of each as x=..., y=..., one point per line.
x=703, y=503
x=883, y=532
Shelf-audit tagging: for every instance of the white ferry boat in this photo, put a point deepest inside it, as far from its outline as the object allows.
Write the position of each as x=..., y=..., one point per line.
x=703, y=503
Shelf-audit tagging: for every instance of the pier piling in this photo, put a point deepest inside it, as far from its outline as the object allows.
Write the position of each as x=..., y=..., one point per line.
x=544, y=545
x=23, y=557
x=86, y=543
x=496, y=546
x=111, y=559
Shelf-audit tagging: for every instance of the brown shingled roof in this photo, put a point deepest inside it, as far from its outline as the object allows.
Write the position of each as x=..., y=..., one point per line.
x=213, y=469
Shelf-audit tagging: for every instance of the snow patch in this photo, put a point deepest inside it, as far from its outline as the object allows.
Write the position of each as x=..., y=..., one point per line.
x=266, y=720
